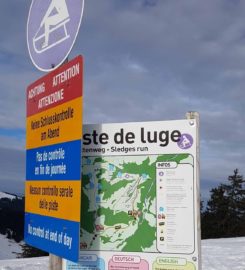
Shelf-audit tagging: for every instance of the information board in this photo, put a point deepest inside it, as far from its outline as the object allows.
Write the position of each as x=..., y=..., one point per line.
x=53, y=161
x=140, y=197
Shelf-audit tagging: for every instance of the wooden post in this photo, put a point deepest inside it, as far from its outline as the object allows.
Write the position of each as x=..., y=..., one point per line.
x=55, y=262
x=190, y=116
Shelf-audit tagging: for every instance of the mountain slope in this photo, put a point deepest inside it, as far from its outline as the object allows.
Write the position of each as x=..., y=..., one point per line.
x=7, y=195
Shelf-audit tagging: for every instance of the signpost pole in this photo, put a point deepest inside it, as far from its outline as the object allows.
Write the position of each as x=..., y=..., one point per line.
x=190, y=116
x=55, y=262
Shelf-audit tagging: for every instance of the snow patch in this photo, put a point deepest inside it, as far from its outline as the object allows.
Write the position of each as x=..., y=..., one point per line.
x=217, y=254
x=224, y=254
x=6, y=195
x=41, y=263
x=9, y=249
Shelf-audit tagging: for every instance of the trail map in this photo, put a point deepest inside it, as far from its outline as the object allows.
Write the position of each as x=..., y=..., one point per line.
x=119, y=209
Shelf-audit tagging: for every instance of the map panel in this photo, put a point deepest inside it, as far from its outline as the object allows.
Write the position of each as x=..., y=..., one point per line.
x=119, y=202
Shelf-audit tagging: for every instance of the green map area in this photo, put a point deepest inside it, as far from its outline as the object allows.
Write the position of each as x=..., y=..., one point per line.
x=119, y=202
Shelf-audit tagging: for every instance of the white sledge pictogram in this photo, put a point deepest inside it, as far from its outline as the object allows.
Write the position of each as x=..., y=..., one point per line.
x=185, y=142
x=51, y=23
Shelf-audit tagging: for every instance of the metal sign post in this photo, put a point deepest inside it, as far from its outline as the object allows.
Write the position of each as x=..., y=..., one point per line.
x=195, y=116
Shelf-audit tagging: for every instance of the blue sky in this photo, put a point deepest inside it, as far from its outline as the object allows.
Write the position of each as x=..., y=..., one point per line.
x=144, y=60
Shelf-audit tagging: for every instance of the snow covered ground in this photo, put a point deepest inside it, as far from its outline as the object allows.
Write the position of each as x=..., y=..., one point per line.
x=25, y=264
x=224, y=254
x=217, y=254
x=9, y=249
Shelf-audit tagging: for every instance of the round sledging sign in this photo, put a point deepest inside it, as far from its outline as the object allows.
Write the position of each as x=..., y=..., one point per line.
x=52, y=28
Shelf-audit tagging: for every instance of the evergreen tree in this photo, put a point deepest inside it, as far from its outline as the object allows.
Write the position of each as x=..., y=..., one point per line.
x=216, y=218
x=235, y=192
x=29, y=251
x=225, y=213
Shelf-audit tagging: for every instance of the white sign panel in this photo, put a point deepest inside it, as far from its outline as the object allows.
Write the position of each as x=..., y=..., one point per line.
x=140, y=197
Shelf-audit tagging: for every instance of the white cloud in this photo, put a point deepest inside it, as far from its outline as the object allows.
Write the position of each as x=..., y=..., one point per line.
x=147, y=60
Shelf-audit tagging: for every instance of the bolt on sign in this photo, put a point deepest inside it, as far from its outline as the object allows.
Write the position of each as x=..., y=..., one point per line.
x=53, y=161
x=140, y=197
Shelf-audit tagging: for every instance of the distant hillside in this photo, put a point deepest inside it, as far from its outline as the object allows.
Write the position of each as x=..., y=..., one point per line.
x=12, y=213
x=9, y=196
x=12, y=216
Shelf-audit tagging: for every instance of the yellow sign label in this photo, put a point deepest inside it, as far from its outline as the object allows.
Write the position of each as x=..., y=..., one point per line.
x=59, y=199
x=57, y=125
